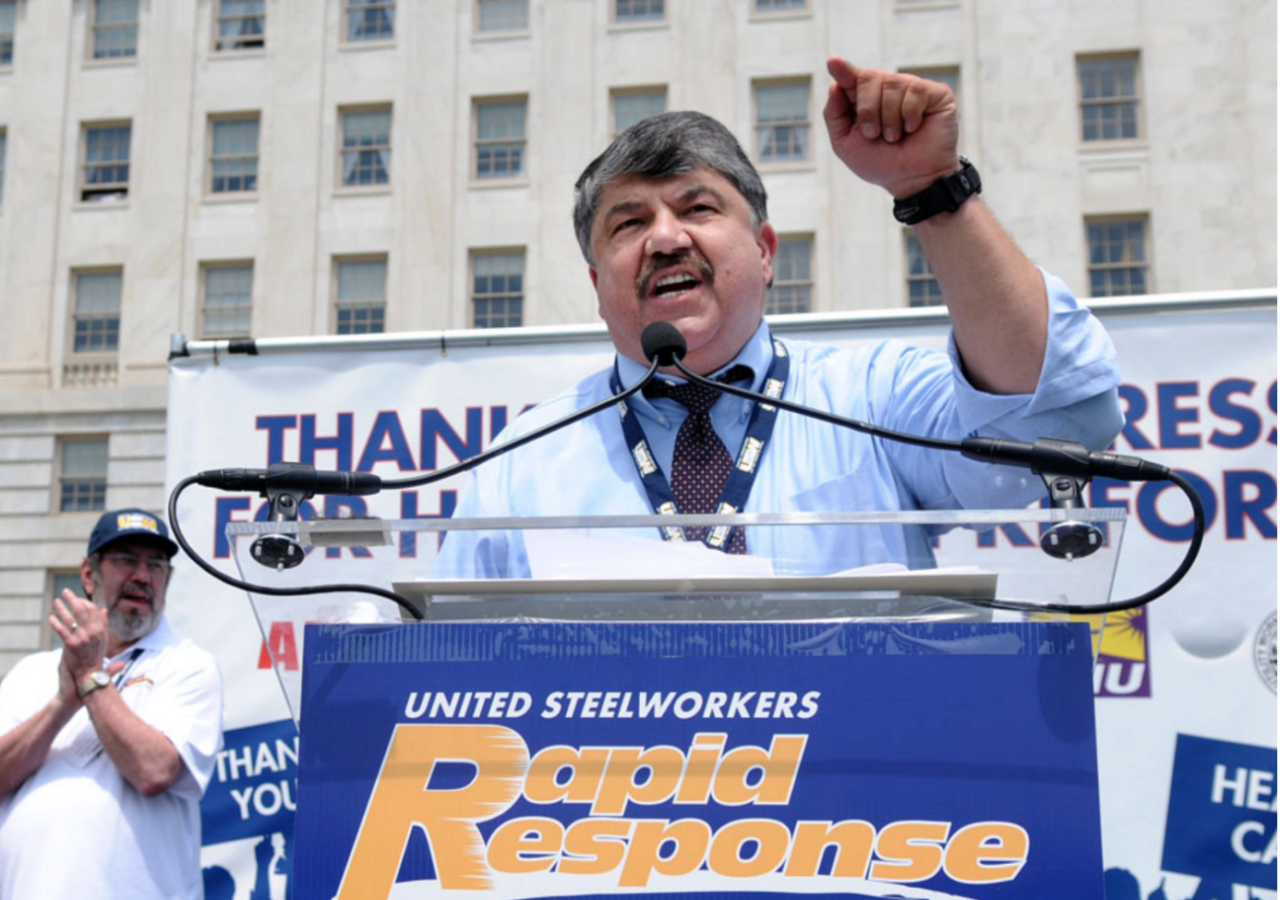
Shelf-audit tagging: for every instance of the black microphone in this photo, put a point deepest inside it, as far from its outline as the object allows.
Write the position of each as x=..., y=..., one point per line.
x=287, y=476
x=663, y=343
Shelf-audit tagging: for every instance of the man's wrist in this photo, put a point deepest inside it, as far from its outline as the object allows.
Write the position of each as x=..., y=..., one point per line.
x=91, y=682
x=910, y=187
x=944, y=195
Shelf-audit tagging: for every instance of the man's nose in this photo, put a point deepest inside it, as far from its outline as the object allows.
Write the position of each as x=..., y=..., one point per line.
x=667, y=234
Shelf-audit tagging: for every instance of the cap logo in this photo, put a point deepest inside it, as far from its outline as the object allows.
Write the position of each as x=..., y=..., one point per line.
x=127, y=521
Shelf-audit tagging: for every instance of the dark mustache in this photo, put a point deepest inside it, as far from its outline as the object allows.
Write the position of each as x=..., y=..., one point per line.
x=660, y=261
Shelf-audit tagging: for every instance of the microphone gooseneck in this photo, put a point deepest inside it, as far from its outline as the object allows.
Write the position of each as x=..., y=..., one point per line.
x=1052, y=459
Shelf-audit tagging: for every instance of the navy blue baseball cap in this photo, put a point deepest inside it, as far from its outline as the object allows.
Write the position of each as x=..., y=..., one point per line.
x=136, y=524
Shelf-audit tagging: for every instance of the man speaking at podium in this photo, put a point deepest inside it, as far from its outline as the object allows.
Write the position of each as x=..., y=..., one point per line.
x=673, y=223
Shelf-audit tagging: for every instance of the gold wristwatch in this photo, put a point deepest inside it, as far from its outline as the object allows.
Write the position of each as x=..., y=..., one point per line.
x=91, y=682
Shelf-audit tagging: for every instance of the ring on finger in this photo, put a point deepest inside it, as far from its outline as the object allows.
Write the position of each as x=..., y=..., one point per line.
x=74, y=625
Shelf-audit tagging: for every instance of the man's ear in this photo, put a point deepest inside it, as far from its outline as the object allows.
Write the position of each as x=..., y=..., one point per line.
x=767, y=240
x=86, y=578
x=595, y=277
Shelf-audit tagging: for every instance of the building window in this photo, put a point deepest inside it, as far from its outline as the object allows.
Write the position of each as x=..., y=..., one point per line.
x=366, y=147
x=500, y=139
x=95, y=323
x=4, y=147
x=1117, y=256
x=115, y=29
x=360, y=305
x=370, y=20
x=631, y=11
x=228, y=300
x=233, y=155
x=495, y=16
x=782, y=121
x=241, y=25
x=1108, y=97
x=765, y=7
x=497, y=289
x=82, y=475
x=8, y=19
x=635, y=105
x=792, y=289
x=922, y=286
x=105, y=168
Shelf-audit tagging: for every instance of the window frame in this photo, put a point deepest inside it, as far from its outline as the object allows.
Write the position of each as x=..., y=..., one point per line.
x=80, y=356
x=927, y=277
x=1147, y=265
x=754, y=13
x=376, y=188
x=1104, y=143
x=215, y=119
x=808, y=161
x=216, y=35
x=10, y=37
x=497, y=34
x=108, y=188
x=91, y=45
x=336, y=304
x=639, y=90
x=792, y=237
x=506, y=180
x=476, y=253
x=4, y=153
x=59, y=476
x=344, y=26
x=202, y=310
x=616, y=23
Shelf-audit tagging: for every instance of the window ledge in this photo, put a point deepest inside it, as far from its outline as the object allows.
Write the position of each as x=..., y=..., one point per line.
x=806, y=165
x=1110, y=154
x=251, y=53
x=86, y=205
x=119, y=62
x=485, y=184
x=656, y=25
x=223, y=198
x=489, y=37
x=931, y=5
x=784, y=16
x=381, y=190
x=367, y=45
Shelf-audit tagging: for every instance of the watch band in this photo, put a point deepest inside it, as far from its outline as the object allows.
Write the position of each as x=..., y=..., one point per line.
x=944, y=195
x=91, y=682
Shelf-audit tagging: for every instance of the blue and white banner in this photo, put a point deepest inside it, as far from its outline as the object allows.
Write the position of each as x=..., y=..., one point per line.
x=520, y=761
x=1200, y=390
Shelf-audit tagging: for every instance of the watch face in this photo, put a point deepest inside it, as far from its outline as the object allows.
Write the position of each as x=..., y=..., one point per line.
x=100, y=678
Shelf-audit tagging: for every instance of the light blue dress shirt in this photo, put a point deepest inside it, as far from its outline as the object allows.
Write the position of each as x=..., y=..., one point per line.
x=811, y=466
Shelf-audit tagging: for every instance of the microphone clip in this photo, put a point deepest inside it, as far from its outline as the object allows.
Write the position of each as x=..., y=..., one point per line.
x=1070, y=539
x=284, y=498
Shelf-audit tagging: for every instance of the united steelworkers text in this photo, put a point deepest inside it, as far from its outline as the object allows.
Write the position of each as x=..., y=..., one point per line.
x=614, y=705
x=605, y=848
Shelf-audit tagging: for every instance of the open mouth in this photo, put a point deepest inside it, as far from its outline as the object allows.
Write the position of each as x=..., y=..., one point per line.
x=675, y=285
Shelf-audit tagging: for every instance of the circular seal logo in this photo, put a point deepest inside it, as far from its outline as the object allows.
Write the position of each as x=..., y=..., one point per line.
x=1264, y=652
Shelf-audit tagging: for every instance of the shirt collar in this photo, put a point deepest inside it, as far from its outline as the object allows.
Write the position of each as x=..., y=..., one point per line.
x=159, y=637
x=757, y=354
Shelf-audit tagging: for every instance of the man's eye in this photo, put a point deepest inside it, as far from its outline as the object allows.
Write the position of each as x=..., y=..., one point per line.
x=625, y=224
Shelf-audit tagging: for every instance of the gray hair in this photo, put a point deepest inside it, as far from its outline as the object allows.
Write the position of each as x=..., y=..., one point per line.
x=664, y=146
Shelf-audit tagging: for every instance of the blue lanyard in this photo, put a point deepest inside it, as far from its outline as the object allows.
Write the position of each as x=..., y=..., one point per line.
x=737, y=487
x=133, y=658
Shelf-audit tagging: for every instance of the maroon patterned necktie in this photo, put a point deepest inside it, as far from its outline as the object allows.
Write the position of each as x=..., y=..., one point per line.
x=701, y=463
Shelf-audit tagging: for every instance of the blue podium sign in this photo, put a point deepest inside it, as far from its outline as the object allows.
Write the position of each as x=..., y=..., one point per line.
x=513, y=761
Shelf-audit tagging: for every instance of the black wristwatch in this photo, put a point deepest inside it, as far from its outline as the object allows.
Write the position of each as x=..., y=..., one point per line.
x=944, y=195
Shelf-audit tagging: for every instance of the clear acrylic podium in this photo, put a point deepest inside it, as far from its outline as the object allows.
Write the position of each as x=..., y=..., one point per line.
x=617, y=569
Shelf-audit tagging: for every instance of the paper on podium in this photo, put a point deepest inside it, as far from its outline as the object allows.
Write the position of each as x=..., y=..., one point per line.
x=596, y=554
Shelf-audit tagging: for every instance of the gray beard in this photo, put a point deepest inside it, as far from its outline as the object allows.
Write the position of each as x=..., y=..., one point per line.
x=129, y=627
